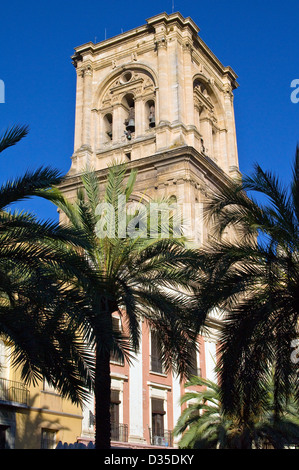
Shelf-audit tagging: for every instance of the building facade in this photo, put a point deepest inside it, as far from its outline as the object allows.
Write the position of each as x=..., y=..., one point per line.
x=35, y=416
x=157, y=98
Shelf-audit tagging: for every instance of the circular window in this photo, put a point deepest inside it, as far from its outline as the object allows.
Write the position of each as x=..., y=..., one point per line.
x=126, y=77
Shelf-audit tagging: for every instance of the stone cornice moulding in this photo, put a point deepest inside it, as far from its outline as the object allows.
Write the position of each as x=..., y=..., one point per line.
x=92, y=48
x=118, y=376
x=162, y=18
x=159, y=385
x=165, y=19
x=211, y=171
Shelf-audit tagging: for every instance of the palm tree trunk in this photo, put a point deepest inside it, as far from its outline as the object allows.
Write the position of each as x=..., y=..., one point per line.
x=102, y=400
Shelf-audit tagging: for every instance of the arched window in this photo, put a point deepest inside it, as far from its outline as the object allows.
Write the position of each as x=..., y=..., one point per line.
x=150, y=113
x=108, y=125
x=204, y=115
x=198, y=84
x=129, y=105
x=126, y=102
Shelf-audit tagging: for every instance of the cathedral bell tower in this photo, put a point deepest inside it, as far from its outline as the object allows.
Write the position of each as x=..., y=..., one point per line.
x=158, y=98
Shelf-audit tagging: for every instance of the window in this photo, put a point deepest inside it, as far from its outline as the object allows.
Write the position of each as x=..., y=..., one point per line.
x=158, y=417
x=126, y=77
x=150, y=113
x=116, y=325
x=119, y=431
x=194, y=368
x=156, y=361
x=129, y=105
x=114, y=414
x=108, y=125
x=91, y=419
x=4, y=361
x=3, y=436
x=194, y=413
x=48, y=439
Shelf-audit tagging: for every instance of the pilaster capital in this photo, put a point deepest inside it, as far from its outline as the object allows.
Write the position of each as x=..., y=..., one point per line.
x=160, y=43
x=227, y=90
x=85, y=71
x=187, y=47
x=88, y=71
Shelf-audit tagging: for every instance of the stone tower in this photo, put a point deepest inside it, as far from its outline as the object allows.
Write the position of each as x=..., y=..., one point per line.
x=159, y=99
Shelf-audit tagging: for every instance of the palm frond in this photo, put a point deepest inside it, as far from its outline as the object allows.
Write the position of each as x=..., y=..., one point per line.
x=248, y=270
x=12, y=136
x=28, y=185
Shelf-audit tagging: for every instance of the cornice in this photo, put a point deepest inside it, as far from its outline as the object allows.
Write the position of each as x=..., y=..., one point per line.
x=184, y=153
x=149, y=28
x=174, y=17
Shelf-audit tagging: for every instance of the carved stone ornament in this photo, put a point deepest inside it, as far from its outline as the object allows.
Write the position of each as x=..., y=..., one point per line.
x=86, y=71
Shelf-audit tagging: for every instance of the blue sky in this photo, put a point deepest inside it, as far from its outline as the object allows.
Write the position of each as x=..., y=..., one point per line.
x=258, y=39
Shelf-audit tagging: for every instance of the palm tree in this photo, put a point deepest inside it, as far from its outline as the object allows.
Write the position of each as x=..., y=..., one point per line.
x=249, y=271
x=137, y=276
x=38, y=298
x=205, y=425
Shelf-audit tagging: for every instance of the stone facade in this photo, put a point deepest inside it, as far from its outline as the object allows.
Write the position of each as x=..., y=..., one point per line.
x=162, y=68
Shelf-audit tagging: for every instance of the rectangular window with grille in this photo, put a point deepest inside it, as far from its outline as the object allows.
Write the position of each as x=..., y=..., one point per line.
x=114, y=406
x=48, y=439
x=158, y=417
x=114, y=414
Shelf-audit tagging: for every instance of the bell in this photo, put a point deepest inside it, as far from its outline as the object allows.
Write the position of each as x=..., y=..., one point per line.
x=131, y=125
x=152, y=121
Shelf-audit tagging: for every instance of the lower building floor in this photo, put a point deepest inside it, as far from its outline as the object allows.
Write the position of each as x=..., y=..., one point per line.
x=145, y=402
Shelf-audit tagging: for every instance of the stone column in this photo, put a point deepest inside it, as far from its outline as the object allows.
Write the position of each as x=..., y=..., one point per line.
x=96, y=127
x=175, y=101
x=78, y=140
x=139, y=116
x=163, y=80
x=176, y=391
x=87, y=100
x=223, y=157
x=118, y=118
x=231, y=135
x=206, y=131
x=189, y=117
x=101, y=131
x=197, y=109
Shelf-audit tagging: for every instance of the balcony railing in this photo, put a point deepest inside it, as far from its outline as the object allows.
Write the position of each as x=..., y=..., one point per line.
x=13, y=392
x=165, y=439
x=119, y=432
